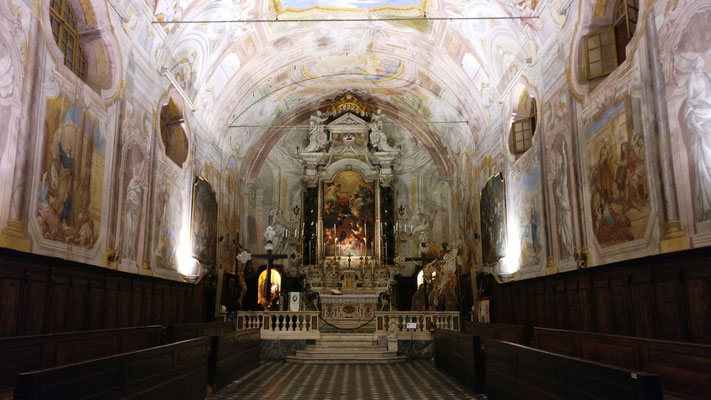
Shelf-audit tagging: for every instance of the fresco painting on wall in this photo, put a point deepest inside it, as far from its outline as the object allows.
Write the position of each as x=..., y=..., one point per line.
x=492, y=210
x=134, y=182
x=561, y=198
x=229, y=221
x=72, y=176
x=528, y=205
x=168, y=214
x=617, y=173
x=348, y=215
x=203, y=222
x=695, y=114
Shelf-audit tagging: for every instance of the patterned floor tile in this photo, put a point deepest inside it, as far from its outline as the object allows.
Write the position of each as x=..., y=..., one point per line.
x=412, y=380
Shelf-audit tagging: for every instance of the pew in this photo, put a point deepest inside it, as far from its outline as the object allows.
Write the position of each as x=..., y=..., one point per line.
x=29, y=353
x=233, y=356
x=514, y=371
x=683, y=368
x=172, y=371
x=459, y=353
x=180, y=332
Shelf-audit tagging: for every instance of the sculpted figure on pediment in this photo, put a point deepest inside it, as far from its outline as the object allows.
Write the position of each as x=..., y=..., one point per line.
x=318, y=139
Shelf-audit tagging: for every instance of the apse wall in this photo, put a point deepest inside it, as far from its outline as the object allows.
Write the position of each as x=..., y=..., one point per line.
x=618, y=166
x=91, y=171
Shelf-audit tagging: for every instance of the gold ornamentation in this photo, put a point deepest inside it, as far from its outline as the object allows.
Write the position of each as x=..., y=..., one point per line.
x=349, y=102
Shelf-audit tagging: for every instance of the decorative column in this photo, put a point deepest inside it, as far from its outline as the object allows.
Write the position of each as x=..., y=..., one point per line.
x=673, y=238
x=551, y=267
x=582, y=252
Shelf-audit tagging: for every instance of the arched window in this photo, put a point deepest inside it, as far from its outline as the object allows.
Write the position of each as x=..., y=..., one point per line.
x=523, y=129
x=605, y=49
x=64, y=30
x=172, y=133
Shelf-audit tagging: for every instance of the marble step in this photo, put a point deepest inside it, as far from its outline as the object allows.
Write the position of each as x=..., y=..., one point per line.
x=329, y=349
x=299, y=360
x=346, y=338
x=345, y=344
x=345, y=355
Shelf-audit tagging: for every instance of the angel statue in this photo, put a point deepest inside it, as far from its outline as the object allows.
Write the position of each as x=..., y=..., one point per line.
x=318, y=139
x=377, y=136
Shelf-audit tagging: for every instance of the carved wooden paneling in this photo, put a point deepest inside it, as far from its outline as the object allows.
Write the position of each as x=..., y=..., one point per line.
x=669, y=296
x=665, y=296
x=698, y=300
x=10, y=300
x=40, y=295
x=35, y=284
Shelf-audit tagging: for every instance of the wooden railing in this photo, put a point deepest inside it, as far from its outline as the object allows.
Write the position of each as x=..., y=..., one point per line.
x=417, y=323
x=281, y=324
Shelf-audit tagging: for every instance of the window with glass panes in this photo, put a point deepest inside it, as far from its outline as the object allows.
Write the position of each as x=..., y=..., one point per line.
x=522, y=135
x=605, y=49
x=64, y=30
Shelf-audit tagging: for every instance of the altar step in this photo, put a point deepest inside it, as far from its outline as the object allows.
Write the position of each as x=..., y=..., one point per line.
x=346, y=349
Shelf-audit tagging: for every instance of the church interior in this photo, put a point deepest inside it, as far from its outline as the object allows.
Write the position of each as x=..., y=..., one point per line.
x=355, y=199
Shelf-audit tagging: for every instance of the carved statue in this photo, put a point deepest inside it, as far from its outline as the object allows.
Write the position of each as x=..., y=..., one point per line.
x=377, y=136
x=318, y=139
x=698, y=117
x=269, y=236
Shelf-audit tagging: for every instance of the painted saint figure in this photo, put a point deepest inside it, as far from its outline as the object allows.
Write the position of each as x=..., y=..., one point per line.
x=562, y=204
x=132, y=211
x=698, y=117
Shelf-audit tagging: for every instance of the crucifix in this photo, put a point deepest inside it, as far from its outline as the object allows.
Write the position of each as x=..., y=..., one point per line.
x=423, y=260
x=269, y=235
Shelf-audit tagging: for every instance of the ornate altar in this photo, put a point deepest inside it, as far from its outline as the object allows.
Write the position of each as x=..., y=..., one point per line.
x=348, y=232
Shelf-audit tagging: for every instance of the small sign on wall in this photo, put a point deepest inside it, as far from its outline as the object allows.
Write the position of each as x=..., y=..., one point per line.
x=294, y=301
x=412, y=325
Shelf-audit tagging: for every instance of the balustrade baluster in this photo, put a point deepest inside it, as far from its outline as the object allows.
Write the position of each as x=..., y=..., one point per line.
x=288, y=322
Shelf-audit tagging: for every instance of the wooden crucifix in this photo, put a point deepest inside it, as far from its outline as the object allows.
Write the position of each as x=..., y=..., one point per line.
x=421, y=261
x=269, y=235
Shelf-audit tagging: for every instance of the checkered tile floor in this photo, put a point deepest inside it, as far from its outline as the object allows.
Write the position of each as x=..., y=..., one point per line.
x=411, y=380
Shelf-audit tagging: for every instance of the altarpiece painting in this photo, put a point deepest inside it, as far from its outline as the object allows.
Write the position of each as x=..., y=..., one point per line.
x=348, y=215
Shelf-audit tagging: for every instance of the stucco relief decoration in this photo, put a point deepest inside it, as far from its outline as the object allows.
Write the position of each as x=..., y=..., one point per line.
x=72, y=175
x=617, y=176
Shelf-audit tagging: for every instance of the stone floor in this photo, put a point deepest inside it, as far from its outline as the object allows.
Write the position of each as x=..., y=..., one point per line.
x=411, y=380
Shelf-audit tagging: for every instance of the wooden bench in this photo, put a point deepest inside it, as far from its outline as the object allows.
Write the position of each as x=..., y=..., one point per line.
x=232, y=356
x=514, y=371
x=173, y=371
x=30, y=353
x=459, y=354
x=180, y=332
x=683, y=368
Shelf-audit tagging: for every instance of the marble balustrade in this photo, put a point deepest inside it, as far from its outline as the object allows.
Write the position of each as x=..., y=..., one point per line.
x=305, y=324
x=396, y=323
x=281, y=324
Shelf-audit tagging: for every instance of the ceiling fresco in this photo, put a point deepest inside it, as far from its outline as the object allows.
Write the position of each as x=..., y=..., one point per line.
x=448, y=75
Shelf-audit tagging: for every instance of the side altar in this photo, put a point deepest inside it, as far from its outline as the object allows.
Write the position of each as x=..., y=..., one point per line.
x=348, y=260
